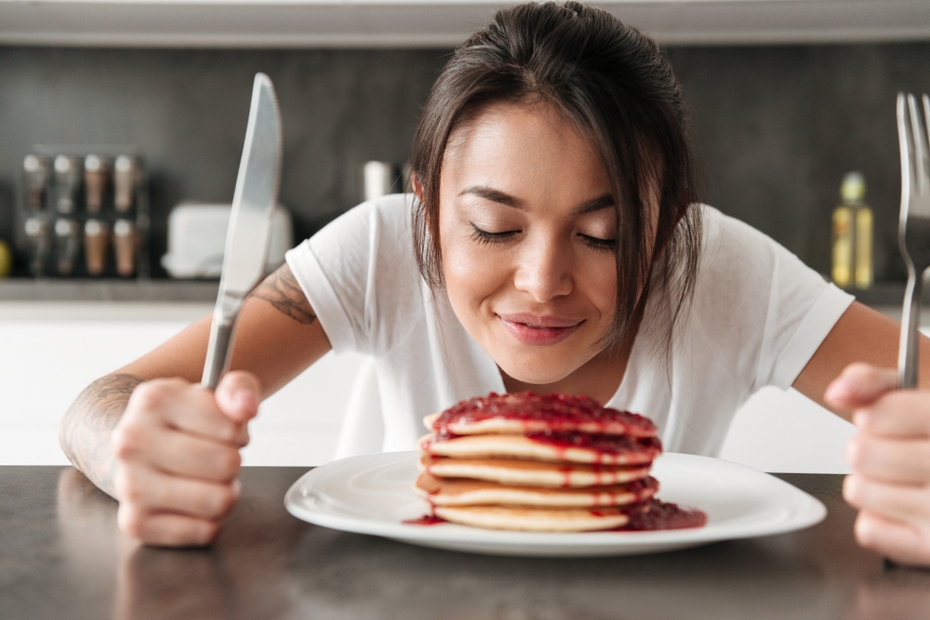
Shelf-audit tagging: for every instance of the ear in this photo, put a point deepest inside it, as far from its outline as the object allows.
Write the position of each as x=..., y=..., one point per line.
x=415, y=185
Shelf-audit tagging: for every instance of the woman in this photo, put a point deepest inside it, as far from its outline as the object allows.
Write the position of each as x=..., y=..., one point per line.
x=553, y=244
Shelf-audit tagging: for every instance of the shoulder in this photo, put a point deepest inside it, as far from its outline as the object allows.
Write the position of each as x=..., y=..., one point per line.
x=359, y=274
x=390, y=212
x=743, y=271
x=373, y=227
x=370, y=241
x=734, y=252
x=746, y=274
x=726, y=238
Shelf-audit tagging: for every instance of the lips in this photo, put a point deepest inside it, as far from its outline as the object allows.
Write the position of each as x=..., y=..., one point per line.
x=539, y=330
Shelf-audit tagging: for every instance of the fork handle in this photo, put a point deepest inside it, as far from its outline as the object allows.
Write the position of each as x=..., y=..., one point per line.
x=908, y=350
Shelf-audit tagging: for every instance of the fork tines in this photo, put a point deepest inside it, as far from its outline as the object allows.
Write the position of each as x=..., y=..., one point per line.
x=913, y=138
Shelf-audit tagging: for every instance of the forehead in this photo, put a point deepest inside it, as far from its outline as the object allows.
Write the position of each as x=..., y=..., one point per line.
x=530, y=121
x=525, y=147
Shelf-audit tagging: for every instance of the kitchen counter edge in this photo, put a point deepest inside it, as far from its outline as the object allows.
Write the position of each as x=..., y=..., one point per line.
x=22, y=298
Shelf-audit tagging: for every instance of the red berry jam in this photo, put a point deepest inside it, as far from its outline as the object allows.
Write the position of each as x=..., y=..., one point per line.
x=654, y=514
x=606, y=444
x=556, y=411
x=425, y=520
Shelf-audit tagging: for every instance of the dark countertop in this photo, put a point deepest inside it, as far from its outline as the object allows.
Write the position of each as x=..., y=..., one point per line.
x=61, y=556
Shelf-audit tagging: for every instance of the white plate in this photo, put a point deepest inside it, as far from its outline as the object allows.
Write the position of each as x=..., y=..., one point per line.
x=373, y=494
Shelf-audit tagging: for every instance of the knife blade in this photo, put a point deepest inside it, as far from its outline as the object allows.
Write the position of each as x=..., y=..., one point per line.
x=249, y=228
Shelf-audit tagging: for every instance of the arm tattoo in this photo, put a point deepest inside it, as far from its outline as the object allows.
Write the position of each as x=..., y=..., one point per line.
x=84, y=433
x=282, y=291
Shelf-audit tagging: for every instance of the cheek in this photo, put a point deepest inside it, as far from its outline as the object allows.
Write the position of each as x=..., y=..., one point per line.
x=470, y=274
x=597, y=285
x=604, y=289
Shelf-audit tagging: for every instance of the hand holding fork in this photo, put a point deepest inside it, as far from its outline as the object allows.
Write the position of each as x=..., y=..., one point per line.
x=890, y=456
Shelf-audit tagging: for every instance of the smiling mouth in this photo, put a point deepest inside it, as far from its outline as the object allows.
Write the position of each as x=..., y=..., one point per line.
x=532, y=326
x=539, y=331
x=540, y=322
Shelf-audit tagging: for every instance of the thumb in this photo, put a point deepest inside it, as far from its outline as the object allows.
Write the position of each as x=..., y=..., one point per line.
x=859, y=385
x=238, y=395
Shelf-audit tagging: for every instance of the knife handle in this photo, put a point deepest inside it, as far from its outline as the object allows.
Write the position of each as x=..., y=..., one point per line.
x=221, y=331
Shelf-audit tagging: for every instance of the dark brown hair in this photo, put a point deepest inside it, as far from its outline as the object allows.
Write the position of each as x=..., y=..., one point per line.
x=616, y=86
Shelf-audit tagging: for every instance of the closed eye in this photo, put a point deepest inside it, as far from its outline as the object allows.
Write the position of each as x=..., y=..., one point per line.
x=597, y=243
x=485, y=236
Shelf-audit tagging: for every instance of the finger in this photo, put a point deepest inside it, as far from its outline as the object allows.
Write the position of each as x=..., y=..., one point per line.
x=193, y=456
x=176, y=452
x=154, y=492
x=892, y=460
x=182, y=405
x=238, y=395
x=901, y=413
x=897, y=541
x=166, y=529
x=859, y=385
x=200, y=414
x=909, y=503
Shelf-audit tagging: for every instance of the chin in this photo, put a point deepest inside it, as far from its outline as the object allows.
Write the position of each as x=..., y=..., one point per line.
x=536, y=371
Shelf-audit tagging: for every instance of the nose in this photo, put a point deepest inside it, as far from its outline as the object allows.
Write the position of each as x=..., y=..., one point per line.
x=544, y=269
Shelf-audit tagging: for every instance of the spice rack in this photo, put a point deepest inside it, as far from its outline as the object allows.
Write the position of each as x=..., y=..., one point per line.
x=83, y=212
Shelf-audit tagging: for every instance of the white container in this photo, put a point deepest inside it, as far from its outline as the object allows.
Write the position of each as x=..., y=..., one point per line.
x=197, y=240
x=378, y=178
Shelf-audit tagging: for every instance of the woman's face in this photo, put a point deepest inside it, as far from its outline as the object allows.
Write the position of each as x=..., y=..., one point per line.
x=527, y=230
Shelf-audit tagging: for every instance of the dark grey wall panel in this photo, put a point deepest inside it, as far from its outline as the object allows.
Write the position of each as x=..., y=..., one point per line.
x=777, y=126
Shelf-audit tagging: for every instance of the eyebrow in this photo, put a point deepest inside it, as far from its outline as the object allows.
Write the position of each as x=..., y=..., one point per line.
x=494, y=195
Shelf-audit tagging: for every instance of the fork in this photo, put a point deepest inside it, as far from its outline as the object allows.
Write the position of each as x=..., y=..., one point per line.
x=913, y=225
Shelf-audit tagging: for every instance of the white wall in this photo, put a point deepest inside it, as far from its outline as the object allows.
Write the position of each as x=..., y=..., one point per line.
x=45, y=361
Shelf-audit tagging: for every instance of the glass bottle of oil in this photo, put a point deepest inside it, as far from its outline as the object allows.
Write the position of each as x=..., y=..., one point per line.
x=852, y=235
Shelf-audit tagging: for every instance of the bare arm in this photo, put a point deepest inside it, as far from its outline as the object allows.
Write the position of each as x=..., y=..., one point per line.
x=86, y=428
x=277, y=337
x=861, y=335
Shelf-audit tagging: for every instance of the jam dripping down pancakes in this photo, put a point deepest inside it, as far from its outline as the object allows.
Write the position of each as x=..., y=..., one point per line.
x=524, y=472
x=556, y=447
x=465, y=492
x=527, y=412
x=544, y=463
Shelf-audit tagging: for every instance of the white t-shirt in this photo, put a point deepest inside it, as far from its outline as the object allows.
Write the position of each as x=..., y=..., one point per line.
x=757, y=316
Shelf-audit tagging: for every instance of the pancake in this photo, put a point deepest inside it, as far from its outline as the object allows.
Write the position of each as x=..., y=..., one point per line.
x=531, y=413
x=555, y=447
x=464, y=492
x=543, y=463
x=534, y=519
x=533, y=473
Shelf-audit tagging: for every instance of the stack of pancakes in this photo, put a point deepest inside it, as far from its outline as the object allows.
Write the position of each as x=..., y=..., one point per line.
x=552, y=463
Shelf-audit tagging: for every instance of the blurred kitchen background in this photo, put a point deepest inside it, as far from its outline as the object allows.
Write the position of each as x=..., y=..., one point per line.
x=786, y=97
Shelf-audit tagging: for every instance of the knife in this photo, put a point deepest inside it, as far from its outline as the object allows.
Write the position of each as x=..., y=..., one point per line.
x=249, y=224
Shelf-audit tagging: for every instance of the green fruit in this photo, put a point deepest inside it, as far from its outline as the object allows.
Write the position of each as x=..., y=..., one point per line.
x=6, y=259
